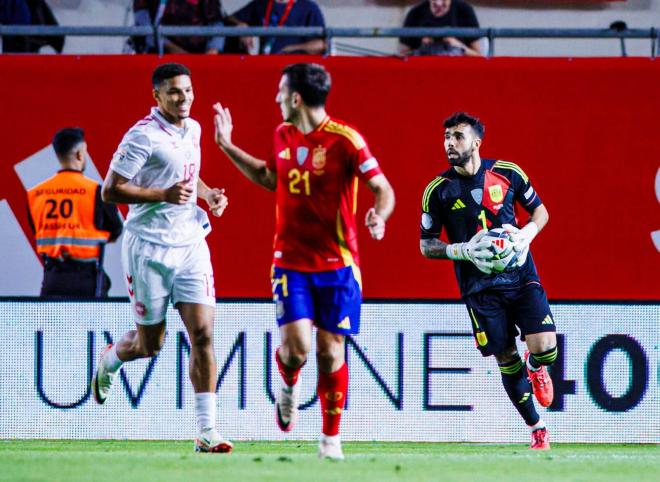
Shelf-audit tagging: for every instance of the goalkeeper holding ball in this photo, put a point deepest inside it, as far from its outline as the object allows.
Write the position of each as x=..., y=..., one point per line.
x=470, y=200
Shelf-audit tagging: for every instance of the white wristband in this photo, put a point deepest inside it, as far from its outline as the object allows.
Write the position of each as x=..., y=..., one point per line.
x=530, y=231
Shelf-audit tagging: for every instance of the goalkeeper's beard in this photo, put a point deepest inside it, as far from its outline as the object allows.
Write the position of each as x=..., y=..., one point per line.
x=462, y=159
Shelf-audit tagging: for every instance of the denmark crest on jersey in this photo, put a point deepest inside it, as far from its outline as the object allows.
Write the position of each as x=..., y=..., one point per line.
x=301, y=154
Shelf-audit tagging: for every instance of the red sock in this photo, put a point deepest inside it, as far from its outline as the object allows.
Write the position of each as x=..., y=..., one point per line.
x=289, y=375
x=332, y=388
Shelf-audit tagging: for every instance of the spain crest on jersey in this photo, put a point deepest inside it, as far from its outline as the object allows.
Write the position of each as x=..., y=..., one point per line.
x=318, y=157
x=496, y=194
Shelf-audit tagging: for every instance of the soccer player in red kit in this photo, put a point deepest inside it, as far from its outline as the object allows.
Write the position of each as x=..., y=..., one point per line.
x=314, y=168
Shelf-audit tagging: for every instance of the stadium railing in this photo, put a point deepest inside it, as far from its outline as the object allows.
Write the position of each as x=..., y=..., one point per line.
x=331, y=33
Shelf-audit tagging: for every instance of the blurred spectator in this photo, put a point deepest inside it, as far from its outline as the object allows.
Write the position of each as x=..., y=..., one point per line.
x=181, y=13
x=440, y=13
x=28, y=12
x=288, y=13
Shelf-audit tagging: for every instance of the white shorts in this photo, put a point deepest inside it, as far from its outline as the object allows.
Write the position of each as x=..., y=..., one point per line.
x=156, y=273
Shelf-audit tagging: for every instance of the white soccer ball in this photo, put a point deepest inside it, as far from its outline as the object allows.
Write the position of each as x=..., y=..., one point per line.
x=504, y=256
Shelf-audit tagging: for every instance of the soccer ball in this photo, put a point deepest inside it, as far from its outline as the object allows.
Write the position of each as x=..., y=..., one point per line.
x=504, y=256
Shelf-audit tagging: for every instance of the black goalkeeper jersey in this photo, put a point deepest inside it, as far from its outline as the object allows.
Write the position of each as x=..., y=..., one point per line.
x=463, y=205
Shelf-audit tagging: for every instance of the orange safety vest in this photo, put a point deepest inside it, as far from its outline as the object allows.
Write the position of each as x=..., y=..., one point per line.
x=62, y=210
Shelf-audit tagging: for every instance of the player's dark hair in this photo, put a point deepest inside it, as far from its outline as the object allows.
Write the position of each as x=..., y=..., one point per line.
x=311, y=81
x=463, y=118
x=168, y=71
x=65, y=140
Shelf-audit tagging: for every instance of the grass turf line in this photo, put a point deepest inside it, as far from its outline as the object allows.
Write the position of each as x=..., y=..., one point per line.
x=164, y=461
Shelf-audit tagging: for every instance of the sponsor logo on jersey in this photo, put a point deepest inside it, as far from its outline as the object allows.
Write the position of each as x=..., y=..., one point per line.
x=301, y=154
x=285, y=154
x=496, y=194
x=345, y=324
x=547, y=320
x=458, y=205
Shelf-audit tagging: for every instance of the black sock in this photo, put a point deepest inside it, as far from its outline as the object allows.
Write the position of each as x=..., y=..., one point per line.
x=547, y=357
x=519, y=390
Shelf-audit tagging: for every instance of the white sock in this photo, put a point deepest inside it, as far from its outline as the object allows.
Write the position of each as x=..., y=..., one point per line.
x=111, y=360
x=205, y=410
x=331, y=439
x=538, y=425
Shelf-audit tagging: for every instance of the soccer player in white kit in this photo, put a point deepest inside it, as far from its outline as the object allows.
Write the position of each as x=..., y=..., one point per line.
x=164, y=252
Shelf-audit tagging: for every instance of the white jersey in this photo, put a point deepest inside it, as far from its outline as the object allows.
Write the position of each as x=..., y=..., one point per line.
x=157, y=154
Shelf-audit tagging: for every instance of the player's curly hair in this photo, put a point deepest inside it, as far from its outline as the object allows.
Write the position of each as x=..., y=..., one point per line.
x=464, y=118
x=311, y=81
x=168, y=71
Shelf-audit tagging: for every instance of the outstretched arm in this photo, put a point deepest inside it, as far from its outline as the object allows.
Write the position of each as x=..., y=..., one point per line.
x=254, y=169
x=383, y=206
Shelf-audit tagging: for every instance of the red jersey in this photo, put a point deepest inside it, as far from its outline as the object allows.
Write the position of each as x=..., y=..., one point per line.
x=317, y=176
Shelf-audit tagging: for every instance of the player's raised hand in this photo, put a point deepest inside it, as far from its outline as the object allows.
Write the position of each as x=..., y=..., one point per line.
x=223, y=125
x=375, y=223
x=179, y=193
x=217, y=201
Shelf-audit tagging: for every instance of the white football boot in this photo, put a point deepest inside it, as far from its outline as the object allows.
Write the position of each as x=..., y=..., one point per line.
x=210, y=441
x=103, y=379
x=330, y=448
x=286, y=407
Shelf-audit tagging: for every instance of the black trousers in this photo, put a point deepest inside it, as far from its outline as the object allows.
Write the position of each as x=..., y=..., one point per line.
x=71, y=279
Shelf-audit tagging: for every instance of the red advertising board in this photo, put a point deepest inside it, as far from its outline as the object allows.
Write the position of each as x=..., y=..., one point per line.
x=584, y=130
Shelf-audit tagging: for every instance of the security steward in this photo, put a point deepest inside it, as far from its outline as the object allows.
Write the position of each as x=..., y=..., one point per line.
x=72, y=224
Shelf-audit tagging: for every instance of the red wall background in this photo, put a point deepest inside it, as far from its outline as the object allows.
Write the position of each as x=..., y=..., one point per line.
x=584, y=130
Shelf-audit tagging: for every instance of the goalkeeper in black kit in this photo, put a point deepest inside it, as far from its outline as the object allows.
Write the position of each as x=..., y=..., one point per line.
x=470, y=200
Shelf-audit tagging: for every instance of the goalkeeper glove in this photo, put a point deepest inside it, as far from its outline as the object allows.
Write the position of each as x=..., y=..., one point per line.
x=522, y=238
x=475, y=251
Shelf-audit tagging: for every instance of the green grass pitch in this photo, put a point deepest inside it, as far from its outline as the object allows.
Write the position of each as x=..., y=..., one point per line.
x=86, y=460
